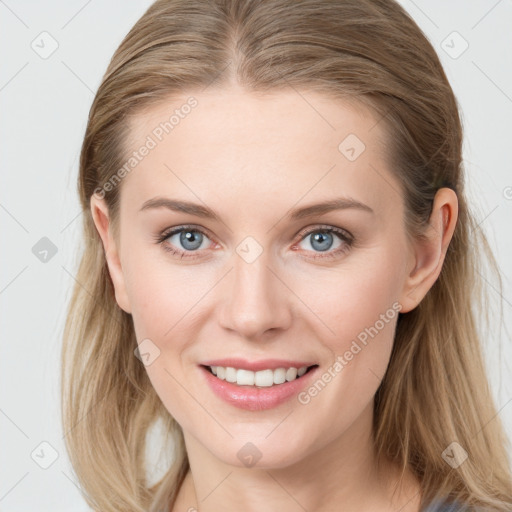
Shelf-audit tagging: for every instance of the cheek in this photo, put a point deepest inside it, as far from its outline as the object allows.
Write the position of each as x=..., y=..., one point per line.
x=355, y=297
x=162, y=297
x=359, y=305
x=160, y=293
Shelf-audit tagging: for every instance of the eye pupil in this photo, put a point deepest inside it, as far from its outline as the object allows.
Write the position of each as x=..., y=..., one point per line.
x=321, y=237
x=190, y=237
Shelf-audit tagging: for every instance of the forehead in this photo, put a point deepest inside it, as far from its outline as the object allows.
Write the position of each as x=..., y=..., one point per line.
x=230, y=143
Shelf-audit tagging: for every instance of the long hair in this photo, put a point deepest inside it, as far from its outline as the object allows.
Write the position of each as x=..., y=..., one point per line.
x=435, y=391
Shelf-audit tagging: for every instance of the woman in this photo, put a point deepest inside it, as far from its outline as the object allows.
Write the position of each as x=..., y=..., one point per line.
x=280, y=265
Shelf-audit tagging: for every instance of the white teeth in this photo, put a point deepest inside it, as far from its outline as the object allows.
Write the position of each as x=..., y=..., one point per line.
x=279, y=376
x=262, y=378
x=230, y=374
x=245, y=378
x=291, y=374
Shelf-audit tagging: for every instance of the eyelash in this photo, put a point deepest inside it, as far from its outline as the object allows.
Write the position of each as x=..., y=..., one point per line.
x=345, y=237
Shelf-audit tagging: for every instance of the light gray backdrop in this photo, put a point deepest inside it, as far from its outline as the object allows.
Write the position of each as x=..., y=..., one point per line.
x=53, y=56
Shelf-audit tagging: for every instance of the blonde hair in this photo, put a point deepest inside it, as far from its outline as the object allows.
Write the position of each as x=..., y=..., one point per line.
x=435, y=390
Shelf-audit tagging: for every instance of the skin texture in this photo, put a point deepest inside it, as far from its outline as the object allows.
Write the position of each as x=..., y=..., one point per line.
x=252, y=158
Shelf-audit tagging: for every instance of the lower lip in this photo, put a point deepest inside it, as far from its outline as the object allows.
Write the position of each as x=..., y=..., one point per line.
x=254, y=398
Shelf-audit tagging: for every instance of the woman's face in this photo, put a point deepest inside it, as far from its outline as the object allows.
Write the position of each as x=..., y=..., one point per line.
x=257, y=277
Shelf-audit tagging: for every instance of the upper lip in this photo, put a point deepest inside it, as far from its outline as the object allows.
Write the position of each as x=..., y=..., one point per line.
x=263, y=364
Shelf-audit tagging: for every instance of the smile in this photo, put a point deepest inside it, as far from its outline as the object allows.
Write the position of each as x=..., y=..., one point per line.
x=258, y=389
x=262, y=378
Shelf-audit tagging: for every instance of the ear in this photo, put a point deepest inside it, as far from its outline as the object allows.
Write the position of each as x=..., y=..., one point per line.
x=101, y=219
x=429, y=254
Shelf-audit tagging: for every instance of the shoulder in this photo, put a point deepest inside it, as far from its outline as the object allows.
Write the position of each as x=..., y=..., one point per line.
x=444, y=506
x=449, y=506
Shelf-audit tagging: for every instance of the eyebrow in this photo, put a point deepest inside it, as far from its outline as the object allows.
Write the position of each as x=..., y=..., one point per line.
x=198, y=210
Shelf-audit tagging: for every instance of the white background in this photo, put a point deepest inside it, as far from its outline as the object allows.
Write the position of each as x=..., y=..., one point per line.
x=44, y=107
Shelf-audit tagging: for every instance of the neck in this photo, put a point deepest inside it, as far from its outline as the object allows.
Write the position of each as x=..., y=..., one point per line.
x=342, y=474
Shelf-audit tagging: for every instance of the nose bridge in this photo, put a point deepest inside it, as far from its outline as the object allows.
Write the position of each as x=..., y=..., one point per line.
x=255, y=299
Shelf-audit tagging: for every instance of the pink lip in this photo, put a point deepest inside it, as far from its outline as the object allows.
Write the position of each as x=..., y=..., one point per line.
x=253, y=398
x=264, y=364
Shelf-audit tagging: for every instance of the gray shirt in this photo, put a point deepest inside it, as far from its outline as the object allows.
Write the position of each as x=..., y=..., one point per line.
x=451, y=506
x=445, y=506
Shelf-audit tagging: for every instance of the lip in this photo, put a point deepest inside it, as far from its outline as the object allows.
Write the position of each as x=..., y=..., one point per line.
x=255, y=366
x=253, y=398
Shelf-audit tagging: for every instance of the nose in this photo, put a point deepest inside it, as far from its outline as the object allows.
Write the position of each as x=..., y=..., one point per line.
x=256, y=299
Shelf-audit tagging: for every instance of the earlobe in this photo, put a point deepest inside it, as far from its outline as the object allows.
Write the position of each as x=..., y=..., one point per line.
x=100, y=216
x=428, y=254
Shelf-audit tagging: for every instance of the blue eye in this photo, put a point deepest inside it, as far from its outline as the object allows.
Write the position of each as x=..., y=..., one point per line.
x=189, y=238
x=321, y=239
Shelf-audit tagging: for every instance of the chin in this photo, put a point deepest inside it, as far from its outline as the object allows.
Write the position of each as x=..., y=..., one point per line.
x=259, y=453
